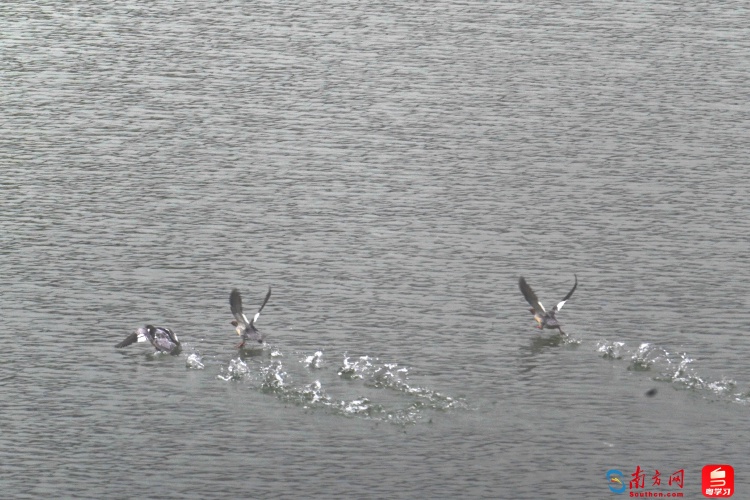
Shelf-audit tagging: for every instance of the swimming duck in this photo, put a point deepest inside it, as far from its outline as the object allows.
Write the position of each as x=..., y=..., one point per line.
x=163, y=339
x=245, y=329
x=544, y=318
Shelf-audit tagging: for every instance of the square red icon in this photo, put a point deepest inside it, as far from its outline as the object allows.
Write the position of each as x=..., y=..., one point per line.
x=717, y=481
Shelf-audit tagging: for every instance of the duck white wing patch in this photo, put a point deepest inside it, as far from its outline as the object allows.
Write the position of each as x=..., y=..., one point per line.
x=257, y=315
x=141, y=337
x=570, y=294
x=530, y=296
x=235, y=303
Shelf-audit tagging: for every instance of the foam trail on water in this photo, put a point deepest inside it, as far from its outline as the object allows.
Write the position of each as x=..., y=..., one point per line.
x=364, y=376
x=675, y=369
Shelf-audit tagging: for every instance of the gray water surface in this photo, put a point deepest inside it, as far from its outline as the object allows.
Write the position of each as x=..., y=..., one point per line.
x=390, y=169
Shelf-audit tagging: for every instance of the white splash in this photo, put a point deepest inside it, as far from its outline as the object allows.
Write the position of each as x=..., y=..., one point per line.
x=274, y=377
x=194, y=361
x=315, y=360
x=671, y=368
x=235, y=371
x=613, y=350
x=313, y=393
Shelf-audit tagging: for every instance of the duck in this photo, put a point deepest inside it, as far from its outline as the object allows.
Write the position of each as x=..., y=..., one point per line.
x=163, y=339
x=544, y=318
x=245, y=328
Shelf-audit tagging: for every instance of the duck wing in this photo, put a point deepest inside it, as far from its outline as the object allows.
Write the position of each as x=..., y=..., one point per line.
x=235, y=303
x=570, y=293
x=257, y=315
x=130, y=339
x=136, y=336
x=530, y=296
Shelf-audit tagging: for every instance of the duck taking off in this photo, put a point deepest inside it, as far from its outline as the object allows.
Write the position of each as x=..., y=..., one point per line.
x=544, y=318
x=246, y=329
x=163, y=339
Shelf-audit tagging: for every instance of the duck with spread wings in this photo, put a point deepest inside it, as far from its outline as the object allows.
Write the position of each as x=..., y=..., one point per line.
x=163, y=339
x=544, y=318
x=244, y=327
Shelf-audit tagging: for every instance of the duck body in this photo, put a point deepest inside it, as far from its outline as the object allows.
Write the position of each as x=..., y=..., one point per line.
x=163, y=339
